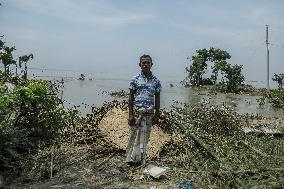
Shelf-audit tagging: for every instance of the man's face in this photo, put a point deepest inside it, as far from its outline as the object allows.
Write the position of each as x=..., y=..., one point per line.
x=146, y=64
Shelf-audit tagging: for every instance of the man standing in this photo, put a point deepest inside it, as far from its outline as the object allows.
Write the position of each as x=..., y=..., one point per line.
x=144, y=107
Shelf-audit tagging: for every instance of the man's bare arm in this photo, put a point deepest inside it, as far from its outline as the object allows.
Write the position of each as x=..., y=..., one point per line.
x=131, y=120
x=157, y=103
x=157, y=109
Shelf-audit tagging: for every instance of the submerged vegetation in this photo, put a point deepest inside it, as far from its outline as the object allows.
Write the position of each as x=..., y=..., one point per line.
x=275, y=97
x=231, y=75
x=82, y=77
x=119, y=93
x=279, y=78
x=214, y=152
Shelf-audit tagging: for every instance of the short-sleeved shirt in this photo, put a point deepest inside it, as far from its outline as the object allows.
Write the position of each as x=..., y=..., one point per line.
x=145, y=90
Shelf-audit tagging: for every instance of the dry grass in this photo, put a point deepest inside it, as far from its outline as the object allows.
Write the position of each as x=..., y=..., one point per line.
x=114, y=125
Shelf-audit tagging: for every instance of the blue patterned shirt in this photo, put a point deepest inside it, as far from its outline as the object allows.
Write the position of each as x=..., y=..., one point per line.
x=145, y=90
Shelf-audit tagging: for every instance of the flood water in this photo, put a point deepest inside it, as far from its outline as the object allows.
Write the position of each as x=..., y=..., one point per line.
x=94, y=92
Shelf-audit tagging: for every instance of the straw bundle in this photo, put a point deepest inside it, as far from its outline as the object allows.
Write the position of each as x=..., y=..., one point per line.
x=115, y=128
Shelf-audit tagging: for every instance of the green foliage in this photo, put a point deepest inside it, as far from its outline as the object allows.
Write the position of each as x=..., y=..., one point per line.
x=232, y=78
x=6, y=56
x=119, y=93
x=24, y=60
x=7, y=59
x=280, y=79
x=274, y=96
x=199, y=66
x=210, y=145
x=31, y=117
x=197, y=69
x=218, y=66
x=207, y=117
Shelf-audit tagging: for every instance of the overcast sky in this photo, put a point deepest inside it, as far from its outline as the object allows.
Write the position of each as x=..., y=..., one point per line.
x=108, y=36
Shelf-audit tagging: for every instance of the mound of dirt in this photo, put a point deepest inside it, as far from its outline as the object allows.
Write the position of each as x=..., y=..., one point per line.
x=115, y=128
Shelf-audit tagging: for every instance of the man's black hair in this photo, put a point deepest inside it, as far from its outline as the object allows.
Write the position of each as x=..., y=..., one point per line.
x=145, y=56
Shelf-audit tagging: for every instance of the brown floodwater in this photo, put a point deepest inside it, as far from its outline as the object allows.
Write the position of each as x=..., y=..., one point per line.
x=95, y=92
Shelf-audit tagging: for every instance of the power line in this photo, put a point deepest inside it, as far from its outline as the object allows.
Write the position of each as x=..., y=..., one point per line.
x=272, y=44
x=276, y=27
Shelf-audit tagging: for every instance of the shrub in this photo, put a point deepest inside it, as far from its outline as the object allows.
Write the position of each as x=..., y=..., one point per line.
x=31, y=117
x=275, y=97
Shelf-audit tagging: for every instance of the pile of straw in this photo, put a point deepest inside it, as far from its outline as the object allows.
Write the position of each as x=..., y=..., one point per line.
x=115, y=128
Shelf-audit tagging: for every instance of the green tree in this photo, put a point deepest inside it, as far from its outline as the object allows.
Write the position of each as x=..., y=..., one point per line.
x=197, y=69
x=280, y=79
x=199, y=64
x=6, y=57
x=235, y=78
x=24, y=60
x=232, y=77
x=32, y=116
x=219, y=66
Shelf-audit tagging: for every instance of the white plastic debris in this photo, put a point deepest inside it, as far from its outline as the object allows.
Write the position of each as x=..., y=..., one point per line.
x=250, y=130
x=155, y=171
x=153, y=187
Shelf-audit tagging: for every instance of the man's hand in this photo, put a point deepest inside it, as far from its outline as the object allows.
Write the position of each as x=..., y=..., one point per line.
x=131, y=120
x=155, y=119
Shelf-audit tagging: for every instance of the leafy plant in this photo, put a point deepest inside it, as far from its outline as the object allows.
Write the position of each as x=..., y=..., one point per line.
x=274, y=96
x=7, y=59
x=280, y=79
x=199, y=64
x=24, y=60
x=232, y=78
x=31, y=117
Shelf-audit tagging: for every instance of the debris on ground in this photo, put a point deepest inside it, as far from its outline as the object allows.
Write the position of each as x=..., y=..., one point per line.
x=155, y=171
x=204, y=145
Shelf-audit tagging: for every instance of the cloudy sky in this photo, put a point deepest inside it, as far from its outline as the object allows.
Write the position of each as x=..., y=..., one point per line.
x=108, y=36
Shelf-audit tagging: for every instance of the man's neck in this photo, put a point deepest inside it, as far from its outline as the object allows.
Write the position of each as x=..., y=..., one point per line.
x=147, y=74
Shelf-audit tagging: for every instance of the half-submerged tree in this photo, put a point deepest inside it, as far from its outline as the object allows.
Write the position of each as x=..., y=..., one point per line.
x=24, y=60
x=199, y=64
x=232, y=77
x=279, y=78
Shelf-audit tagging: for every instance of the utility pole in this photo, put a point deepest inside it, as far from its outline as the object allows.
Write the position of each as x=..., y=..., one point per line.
x=267, y=57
